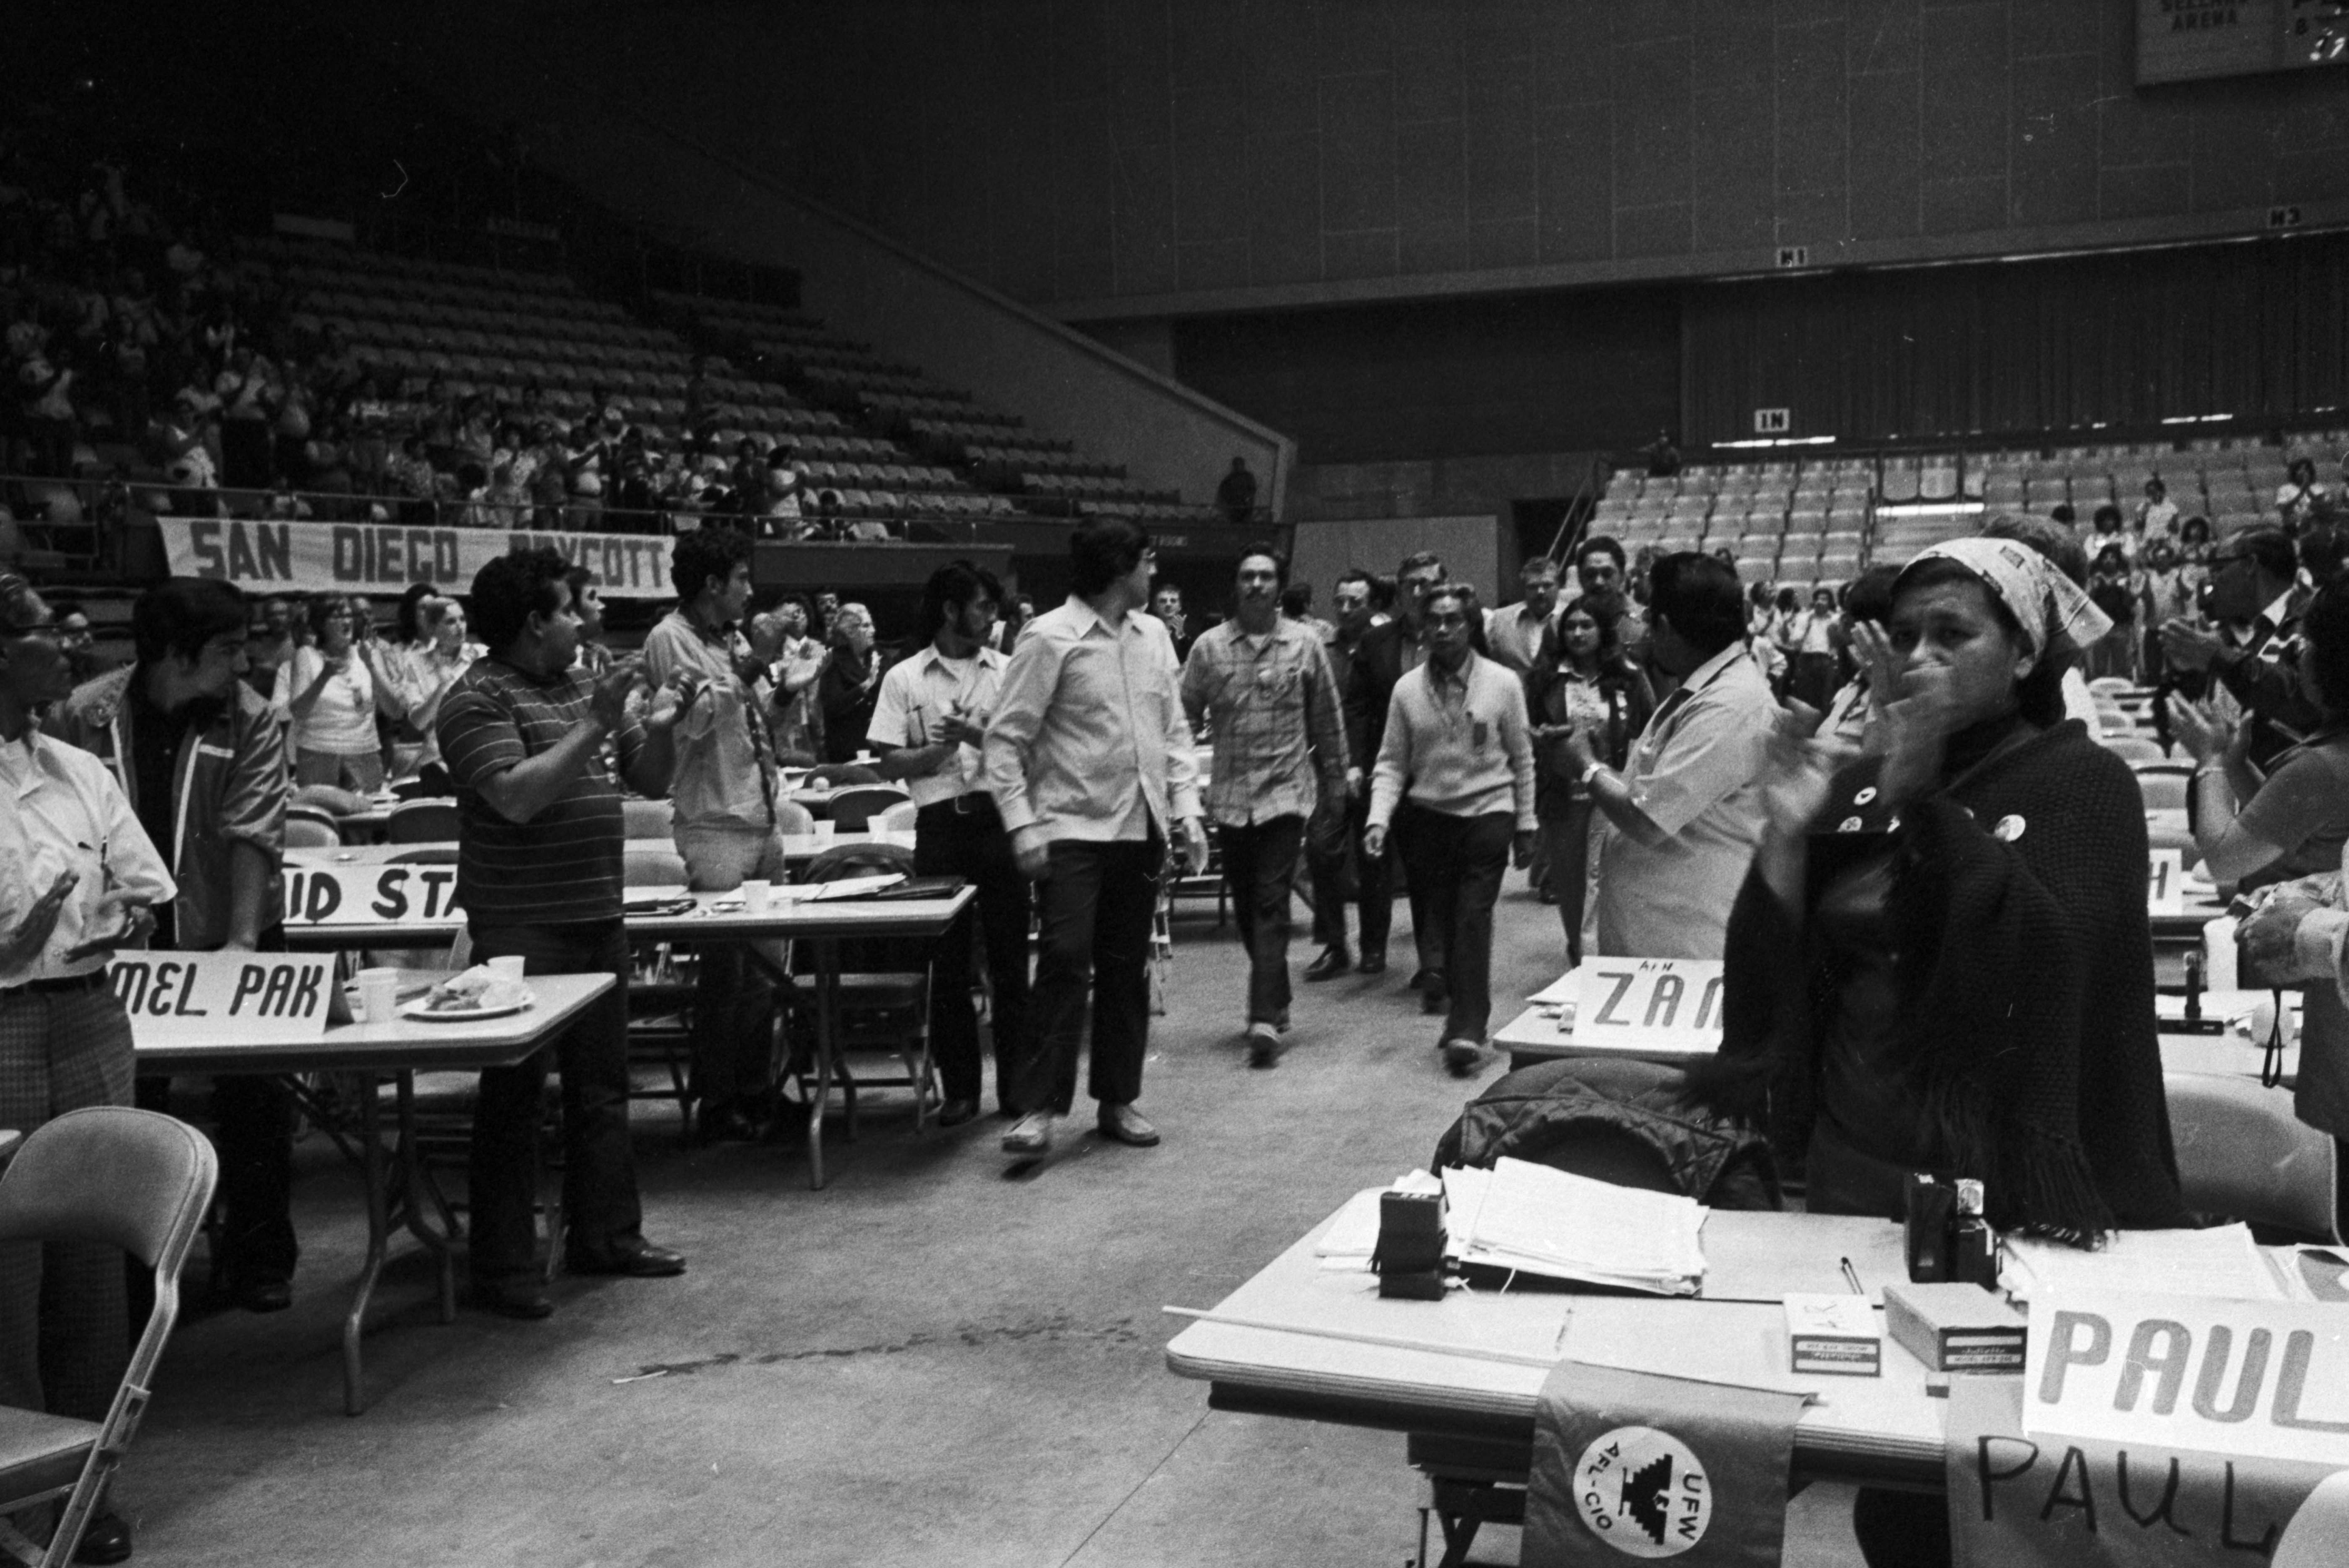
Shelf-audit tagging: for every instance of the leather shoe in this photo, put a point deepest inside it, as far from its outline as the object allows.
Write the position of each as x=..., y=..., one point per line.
x=105, y=1539
x=1435, y=998
x=725, y=1124
x=1462, y=1058
x=1333, y=962
x=1420, y=977
x=1264, y=1045
x=525, y=1299
x=264, y=1295
x=1031, y=1134
x=1372, y=962
x=648, y=1261
x=1123, y=1124
x=955, y=1112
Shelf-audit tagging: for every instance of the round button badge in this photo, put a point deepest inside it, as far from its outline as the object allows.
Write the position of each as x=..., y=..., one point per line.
x=1643, y=1493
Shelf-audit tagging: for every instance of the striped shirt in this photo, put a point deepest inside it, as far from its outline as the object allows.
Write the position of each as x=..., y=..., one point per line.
x=564, y=865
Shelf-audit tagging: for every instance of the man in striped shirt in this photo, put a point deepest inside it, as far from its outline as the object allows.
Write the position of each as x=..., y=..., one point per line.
x=539, y=873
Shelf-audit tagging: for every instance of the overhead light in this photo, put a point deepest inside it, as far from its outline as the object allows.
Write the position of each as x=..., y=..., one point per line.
x=1782, y=441
x=1929, y=508
x=2200, y=419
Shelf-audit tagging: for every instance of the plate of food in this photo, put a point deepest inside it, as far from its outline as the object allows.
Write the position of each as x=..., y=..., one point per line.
x=478, y=993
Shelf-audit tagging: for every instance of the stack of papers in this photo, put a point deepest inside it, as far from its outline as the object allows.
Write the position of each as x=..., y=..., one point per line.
x=1538, y=1221
x=2221, y=1262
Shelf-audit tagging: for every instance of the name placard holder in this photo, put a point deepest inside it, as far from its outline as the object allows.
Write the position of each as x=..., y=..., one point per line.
x=1649, y=1003
x=186, y=996
x=372, y=895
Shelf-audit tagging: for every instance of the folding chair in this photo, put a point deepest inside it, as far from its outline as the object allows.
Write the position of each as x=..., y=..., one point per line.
x=421, y=822
x=853, y=809
x=2242, y=1153
x=138, y=1181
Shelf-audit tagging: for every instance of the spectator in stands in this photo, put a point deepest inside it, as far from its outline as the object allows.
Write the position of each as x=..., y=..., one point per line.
x=1809, y=638
x=928, y=726
x=1515, y=633
x=782, y=495
x=1682, y=817
x=415, y=482
x=2114, y=652
x=2062, y=512
x=1261, y=685
x=202, y=761
x=1089, y=760
x=1385, y=654
x=1455, y=781
x=2106, y=532
x=1663, y=459
x=2293, y=820
x=1236, y=493
x=1167, y=604
x=325, y=690
x=2255, y=598
x=2168, y=594
x=1581, y=680
x=1341, y=873
x=850, y=684
x=2301, y=499
x=540, y=873
x=46, y=411
x=724, y=789
x=2157, y=514
x=247, y=402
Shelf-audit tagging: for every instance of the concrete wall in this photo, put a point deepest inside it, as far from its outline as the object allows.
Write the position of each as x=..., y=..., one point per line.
x=1155, y=157
x=1471, y=547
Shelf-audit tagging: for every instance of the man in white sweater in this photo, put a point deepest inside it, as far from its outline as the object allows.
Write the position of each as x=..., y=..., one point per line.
x=1454, y=780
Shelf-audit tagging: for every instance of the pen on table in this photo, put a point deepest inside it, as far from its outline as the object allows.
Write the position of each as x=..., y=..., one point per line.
x=1851, y=1277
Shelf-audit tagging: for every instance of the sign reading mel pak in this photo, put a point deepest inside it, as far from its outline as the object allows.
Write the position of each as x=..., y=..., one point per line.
x=214, y=996
x=1648, y=1003
x=372, y=895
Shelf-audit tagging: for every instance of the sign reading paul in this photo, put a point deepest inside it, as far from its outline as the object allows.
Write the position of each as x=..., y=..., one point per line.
x=384, y=557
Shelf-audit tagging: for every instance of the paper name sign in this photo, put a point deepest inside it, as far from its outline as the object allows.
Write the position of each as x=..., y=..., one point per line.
x=249, y=996
x=2250, y=1379
x=372, y=895
x=2165, y=877
x=1648, y=1002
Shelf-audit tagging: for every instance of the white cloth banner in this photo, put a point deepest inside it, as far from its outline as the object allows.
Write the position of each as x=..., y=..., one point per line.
x=385, y=557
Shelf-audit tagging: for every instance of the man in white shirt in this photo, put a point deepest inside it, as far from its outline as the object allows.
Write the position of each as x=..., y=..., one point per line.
x=1513, y=631
x=1683, y=818
x=928, y=724
x=1089, y=760
x=78, y=874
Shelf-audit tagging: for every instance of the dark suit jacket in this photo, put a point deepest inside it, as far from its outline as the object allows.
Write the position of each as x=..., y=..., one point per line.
x=1370, y=683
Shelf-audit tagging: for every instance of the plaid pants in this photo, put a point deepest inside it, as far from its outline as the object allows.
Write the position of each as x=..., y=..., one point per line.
x=63, y=1343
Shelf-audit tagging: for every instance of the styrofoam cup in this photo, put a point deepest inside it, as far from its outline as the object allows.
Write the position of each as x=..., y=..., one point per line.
x=379, y=995
x=509, y=969
x=756, y=893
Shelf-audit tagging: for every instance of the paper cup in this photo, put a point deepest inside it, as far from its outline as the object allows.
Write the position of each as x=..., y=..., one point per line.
x=755, y=894
x=826, y=829
x=379, y=995
x=505, y=968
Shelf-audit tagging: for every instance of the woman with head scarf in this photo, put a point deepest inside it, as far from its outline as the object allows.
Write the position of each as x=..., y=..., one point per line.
x=1940, y=961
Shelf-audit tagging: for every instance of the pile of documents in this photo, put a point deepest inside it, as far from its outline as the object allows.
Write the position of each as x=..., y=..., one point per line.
x=2223, y=1261
x=1538, y=1221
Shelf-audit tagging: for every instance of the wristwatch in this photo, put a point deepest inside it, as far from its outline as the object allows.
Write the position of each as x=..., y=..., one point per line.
x=1593, y=771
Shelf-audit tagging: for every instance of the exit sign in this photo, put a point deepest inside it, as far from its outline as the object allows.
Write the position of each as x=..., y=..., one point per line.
x=1773, y=421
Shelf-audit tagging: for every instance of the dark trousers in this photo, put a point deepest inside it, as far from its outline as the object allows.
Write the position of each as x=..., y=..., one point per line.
x=1095, y=905
x=1260, y=867
x=1566, y=849
x=1374, y=888
x=963, y=837
x=600, y=1172
x=252, y=1131
x=1456, y=864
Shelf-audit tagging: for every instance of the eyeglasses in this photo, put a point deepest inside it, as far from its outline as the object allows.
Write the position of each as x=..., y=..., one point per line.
x=1448, y=618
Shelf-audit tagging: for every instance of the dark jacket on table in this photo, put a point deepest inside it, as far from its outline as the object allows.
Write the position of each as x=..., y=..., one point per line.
x=2024, y=981
x=229, y=786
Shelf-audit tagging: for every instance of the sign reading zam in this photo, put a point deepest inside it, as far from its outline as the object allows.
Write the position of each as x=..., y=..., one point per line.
x=1648, y=1002
x=245, y=995
x=376, y=557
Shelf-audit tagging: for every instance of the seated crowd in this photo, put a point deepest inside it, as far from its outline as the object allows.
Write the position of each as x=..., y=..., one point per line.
x=1924, y=875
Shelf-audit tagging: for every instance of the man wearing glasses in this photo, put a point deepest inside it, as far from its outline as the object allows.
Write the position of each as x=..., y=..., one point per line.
x=198, y=754
x=1455, y=780
x=78, y=876
x=1089, y=760
x=2254, y=594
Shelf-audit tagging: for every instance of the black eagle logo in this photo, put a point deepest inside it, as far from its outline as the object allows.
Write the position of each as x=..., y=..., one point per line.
x=1645, y=1493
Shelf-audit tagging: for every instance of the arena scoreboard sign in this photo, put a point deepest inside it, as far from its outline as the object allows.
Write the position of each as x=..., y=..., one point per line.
x=2183, y=41
x=267, y=557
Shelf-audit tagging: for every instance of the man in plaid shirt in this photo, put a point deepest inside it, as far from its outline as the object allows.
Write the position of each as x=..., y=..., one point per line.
x=1264, y=684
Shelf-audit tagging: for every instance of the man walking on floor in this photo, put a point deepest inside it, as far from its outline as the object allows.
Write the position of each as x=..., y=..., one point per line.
x=1456, y=779
x=1262, y=683
x=927, y=726
x=1089, y=761
x=1389, y=651
x=1328, y=852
